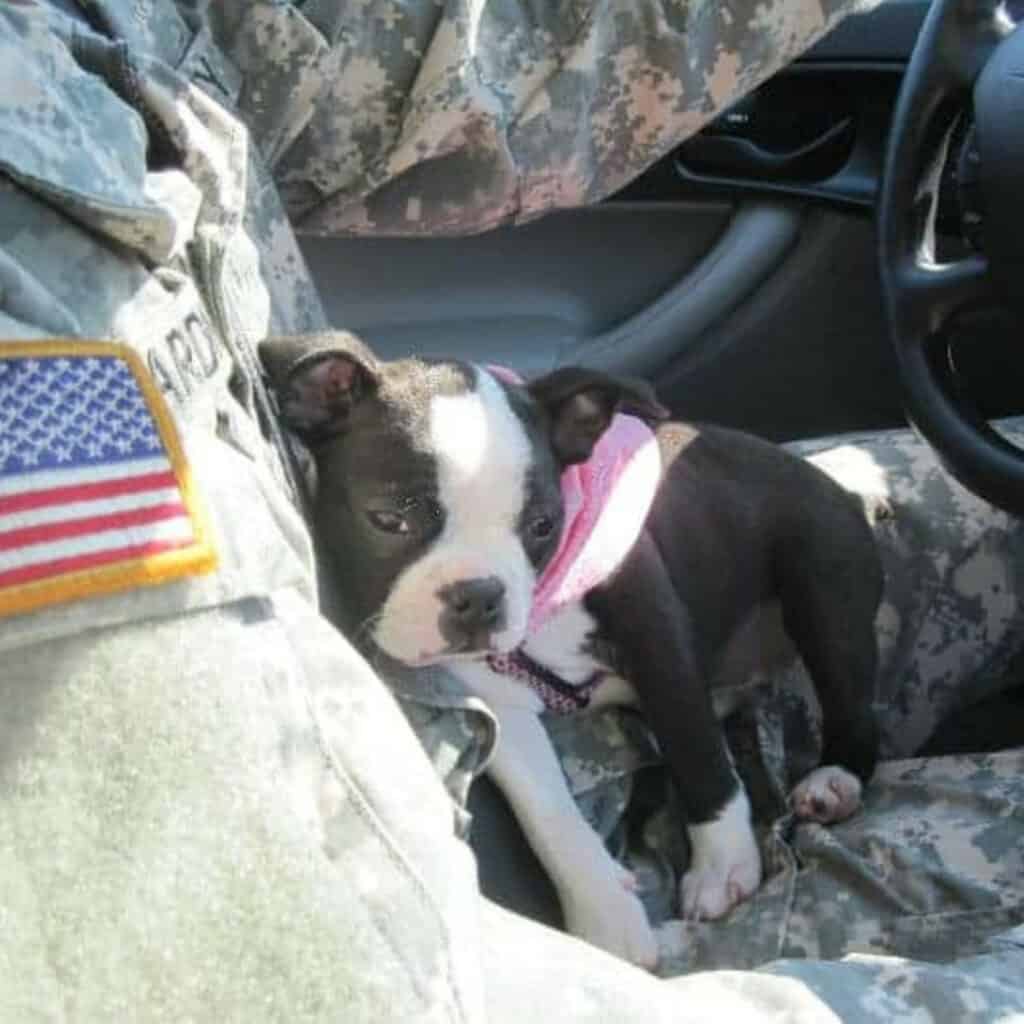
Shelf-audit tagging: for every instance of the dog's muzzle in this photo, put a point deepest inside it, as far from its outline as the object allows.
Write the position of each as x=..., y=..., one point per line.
x=472, y=612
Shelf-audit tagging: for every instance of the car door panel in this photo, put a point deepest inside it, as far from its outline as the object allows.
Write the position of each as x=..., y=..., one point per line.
x=620, y=286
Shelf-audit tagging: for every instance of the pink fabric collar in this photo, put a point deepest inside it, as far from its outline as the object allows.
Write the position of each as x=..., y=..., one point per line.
x=606, y=500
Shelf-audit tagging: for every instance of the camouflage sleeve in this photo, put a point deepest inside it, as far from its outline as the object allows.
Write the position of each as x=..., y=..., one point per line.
x=416, y=118
x=89, y=183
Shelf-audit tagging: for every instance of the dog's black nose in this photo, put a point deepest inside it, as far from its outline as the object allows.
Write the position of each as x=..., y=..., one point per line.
x=473, y=608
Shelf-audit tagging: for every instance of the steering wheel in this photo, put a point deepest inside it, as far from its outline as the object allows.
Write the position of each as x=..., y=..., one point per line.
x=961, y=106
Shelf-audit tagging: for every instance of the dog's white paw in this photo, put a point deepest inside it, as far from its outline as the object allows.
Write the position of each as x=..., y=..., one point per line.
x=710, y=890
x=613, y=919
x=725, y=863
x=829, y=794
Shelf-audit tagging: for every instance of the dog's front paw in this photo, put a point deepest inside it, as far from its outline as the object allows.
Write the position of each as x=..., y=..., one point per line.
x=613, y=919
x=829, y=794
x=711, y=890
x=725, y=864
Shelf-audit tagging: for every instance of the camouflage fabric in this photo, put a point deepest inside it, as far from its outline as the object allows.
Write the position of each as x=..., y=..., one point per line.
x=430, y=118
x=457, y=730
x=950, y=627
x=933, y=865
x=194, y=821
x=862, y=987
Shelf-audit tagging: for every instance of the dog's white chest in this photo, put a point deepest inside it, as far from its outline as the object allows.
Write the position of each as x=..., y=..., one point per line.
x=564, y=645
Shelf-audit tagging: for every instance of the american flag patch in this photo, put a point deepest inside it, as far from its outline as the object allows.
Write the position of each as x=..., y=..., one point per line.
x=95, y=493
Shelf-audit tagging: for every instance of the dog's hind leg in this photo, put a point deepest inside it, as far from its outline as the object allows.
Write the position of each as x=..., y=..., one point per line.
x=826, y=795
x=830, y=587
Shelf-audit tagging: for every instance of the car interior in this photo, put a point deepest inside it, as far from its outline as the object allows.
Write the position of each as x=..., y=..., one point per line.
x=747, y=275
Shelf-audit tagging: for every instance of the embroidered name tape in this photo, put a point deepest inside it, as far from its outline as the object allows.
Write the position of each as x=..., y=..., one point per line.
x=95, y=492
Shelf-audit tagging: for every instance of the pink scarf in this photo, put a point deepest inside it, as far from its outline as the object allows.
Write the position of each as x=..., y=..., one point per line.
x=606, y=500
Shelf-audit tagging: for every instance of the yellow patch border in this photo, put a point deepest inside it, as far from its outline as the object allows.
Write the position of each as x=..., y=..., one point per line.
x=197, y=559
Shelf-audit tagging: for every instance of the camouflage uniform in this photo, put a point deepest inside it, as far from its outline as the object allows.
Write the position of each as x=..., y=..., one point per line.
x=196, y=818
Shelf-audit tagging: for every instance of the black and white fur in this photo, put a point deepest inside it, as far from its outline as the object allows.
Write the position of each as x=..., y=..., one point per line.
x=438, y=496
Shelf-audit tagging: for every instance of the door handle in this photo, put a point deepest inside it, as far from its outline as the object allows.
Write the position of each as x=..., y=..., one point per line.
x=734, y=156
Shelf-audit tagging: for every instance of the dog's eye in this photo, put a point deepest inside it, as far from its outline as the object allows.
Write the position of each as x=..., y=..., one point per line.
x=388, y=522
x=541, y=528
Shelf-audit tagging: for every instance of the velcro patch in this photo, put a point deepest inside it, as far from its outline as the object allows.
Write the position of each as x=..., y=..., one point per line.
x=95, y=492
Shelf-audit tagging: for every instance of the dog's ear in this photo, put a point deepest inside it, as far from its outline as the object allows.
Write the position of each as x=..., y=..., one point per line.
x=580, y=405
x=318, y=379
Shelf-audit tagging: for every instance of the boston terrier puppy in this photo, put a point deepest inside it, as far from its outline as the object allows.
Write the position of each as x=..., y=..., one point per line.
x=560, y=546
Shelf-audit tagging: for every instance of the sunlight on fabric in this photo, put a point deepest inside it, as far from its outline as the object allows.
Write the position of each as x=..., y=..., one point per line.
x=854, y=468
